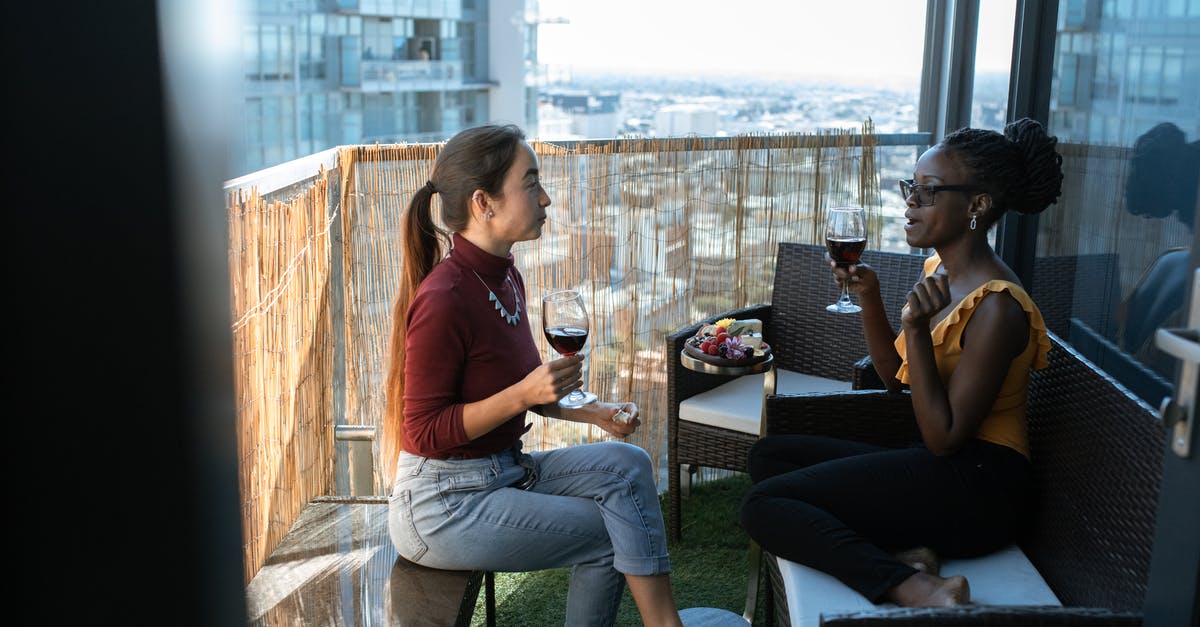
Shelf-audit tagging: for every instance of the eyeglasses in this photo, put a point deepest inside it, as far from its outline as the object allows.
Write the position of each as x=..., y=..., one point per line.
x=925, y=193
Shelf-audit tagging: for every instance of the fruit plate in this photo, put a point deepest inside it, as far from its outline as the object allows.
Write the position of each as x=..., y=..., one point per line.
x=760, y=355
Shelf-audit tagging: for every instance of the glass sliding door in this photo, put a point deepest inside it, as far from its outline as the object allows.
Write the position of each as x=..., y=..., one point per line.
x=1125, y=105
x=1115, y=266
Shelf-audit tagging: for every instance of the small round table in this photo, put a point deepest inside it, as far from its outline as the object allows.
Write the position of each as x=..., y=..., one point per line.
x=765, y=367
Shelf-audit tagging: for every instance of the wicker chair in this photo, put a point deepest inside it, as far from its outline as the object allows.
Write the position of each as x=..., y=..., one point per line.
x=1083, y=287
x=1097, y=453
x=804, y=338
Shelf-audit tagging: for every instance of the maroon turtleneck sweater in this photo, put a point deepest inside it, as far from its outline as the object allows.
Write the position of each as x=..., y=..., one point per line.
x=459, y=350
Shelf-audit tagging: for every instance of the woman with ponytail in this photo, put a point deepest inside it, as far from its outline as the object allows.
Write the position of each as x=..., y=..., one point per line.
x=462, y=375
x=880, y=519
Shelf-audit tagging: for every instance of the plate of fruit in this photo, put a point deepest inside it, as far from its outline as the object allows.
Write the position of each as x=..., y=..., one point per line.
x=729, y=342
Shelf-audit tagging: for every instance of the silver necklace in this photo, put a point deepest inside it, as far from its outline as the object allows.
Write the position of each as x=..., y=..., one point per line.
x=510, y=318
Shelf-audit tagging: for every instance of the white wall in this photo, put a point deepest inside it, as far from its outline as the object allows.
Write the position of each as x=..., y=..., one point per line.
x=506, y=65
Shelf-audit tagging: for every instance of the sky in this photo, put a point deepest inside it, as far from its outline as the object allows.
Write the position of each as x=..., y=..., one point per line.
x=851, y=39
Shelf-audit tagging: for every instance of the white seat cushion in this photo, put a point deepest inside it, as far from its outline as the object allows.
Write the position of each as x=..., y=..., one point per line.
x=737, y=405
x=1005, y=577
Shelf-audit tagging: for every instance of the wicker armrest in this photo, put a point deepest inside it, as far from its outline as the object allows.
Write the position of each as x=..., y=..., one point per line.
x=871, y=416
x=864, y=376
x=981, y=615
x=682, y=383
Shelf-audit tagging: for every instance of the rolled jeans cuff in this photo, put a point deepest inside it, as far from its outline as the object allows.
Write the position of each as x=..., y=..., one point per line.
x=642, y=566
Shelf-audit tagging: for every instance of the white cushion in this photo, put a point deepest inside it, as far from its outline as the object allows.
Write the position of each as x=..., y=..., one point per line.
x=1005, y=577
x=737, y=405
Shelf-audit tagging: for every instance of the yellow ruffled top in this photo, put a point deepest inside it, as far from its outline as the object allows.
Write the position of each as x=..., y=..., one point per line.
x=1005, y=424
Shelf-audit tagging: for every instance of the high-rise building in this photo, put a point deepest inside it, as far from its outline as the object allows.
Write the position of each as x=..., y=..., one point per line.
x=323, y=73
x=1123, y=67
x=575, y=113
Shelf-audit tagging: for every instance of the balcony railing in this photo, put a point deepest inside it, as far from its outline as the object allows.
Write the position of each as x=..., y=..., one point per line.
x=659, y=233
x=387, y=75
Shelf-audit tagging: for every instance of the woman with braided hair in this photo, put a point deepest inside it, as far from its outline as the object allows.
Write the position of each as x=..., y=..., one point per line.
x=879, y=519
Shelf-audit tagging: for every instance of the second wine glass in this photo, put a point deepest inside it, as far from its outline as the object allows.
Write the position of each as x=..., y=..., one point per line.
x=565, y=322
x=846, y=238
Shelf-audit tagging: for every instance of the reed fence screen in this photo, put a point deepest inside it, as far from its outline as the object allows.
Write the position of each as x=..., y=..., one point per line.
x=658, y=233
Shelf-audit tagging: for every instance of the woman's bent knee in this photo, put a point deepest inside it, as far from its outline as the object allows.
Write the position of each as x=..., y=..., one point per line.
x=754, y=507
x=631, y=459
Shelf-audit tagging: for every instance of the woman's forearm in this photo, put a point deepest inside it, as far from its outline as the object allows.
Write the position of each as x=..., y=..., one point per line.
x=881, y=339
x=481, y=417
x=931, y=403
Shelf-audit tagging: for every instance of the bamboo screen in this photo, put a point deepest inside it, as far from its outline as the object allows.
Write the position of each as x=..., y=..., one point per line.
x=280, y=261
x=658, y=233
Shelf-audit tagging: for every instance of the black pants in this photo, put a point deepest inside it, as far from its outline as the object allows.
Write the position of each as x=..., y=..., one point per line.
x=844, y=507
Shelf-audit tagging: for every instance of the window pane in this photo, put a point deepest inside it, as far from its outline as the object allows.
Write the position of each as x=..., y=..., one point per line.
x=797, y=70
x=251, y=54
x=270, y=50
x=1118, y=237
x=993, y=63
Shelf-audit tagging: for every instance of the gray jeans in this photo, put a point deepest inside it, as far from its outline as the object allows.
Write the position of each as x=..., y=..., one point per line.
x=591, y=506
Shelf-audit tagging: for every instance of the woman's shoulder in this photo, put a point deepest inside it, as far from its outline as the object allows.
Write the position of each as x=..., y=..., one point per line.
x=1000, y=294
x=440, y=289
x=1007, y=309
x=1005, y=301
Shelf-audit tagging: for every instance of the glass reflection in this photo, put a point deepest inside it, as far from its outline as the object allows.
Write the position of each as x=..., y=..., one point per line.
x=1123, y=105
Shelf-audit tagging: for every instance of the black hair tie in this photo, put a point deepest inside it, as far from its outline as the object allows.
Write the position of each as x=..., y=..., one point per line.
x=429, y=186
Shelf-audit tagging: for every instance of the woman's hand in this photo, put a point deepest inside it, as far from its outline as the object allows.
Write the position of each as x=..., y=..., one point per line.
x=929, y=296
x=553, y=380
x=605, y=416
x=859, y=278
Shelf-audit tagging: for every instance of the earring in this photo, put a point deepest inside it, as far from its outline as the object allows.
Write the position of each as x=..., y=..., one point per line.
x=972, y=223
x=489, y=215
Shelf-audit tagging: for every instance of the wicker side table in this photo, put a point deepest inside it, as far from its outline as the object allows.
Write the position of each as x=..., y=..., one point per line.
x=767, y=369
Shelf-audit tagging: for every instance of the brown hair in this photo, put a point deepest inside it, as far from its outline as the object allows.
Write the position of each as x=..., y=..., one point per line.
x=476, y=158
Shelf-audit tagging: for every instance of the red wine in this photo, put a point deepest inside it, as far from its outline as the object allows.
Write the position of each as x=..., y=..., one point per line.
x=846, y=250
x=567, y=340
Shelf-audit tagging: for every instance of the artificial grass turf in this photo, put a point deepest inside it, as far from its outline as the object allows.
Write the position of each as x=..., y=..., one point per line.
x=709, y=566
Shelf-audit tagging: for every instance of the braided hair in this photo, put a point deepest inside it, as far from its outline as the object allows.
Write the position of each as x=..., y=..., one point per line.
x=1020, y=169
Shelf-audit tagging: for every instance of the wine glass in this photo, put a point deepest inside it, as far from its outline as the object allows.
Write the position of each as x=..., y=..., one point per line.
x=565, y=322
x=846, y=238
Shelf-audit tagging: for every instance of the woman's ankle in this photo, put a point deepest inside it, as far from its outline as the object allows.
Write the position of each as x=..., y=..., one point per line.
x=655, y=600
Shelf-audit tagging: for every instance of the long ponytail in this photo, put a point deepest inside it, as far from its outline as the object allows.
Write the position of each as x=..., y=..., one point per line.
x=475, y=159
x=421, y=250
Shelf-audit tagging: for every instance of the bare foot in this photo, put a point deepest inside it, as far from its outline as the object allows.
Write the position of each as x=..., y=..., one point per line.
x=922, y=559
x=923, y=590
x=955, y=591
